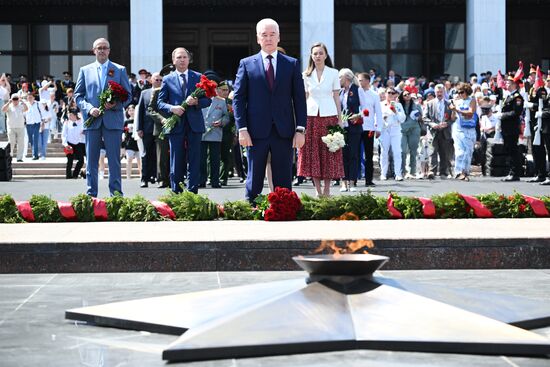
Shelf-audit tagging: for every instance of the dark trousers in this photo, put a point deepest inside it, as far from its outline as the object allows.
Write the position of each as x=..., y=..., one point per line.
x=512, y=151
x=241, y=164
x=226, y=156
x=368, y=146
x=163, y=160
x=33, y=132
x=149, y=160
x=210, y=151
x=79, y=150
x=351, y=156
x=441, y=156
x=185, y=148
x=541, y=153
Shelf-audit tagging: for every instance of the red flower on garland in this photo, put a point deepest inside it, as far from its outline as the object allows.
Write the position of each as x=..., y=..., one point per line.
x=366, y=112
x=205, y=88
x=522, y=208
x=284, y=204
x=114, y=93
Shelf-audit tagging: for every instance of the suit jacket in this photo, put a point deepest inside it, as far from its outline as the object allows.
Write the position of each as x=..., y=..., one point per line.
x=432, y=116
x=353, y=105
x=143, y=120
x=257, y=108
x=88, y=89
x=171, y=94
x=512, y=108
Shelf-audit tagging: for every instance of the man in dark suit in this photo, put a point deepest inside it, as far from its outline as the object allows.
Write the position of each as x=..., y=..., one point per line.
x=145, y=124
x=439, y=119
x=510, y=119
x=185, y=137
x=270, y=110
x=396, y=79
x=107, y=127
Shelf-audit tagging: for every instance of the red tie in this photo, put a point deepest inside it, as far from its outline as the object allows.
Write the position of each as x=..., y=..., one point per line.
x=270, y=73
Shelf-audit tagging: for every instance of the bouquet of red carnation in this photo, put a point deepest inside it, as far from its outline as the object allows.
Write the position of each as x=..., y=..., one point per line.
x=284, y=204
x=205, y=87
x=68, y=150
x=114, y=93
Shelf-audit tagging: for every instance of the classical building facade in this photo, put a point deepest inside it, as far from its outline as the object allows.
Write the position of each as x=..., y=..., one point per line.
x=413, y=37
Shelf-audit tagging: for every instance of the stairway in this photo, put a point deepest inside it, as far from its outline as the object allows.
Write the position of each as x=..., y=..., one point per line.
x=53, y=167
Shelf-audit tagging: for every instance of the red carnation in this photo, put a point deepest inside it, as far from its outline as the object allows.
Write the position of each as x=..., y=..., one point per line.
x=522, y=208
x=114, y=93
x=366, y=112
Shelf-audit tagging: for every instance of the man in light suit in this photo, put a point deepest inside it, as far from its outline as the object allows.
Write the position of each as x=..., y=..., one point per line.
x=185, y=137
x=439, y=119
x=92, y=80
x=270, y=110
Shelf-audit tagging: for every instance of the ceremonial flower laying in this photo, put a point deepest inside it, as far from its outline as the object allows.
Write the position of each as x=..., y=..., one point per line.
x=113, y=94
x=335, y=139
x=204, y=88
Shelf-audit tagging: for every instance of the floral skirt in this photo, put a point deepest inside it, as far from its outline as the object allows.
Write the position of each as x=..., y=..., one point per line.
x=314, y=158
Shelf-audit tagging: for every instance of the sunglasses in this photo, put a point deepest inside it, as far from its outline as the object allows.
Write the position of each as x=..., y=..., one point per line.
x=15, y=99
x=392, y=92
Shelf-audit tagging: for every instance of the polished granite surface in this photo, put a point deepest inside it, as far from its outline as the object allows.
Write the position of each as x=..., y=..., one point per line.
x=33, y=331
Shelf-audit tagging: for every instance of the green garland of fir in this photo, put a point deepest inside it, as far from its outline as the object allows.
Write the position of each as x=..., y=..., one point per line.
x=191, y=207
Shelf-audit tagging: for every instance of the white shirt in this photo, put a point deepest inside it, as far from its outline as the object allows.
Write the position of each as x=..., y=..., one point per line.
x=392, y=120
x=34, y=114
x=320, y=100
x=15, y=116
x=4, y=95
x=273, y=61
x=71, y=133
x=371, y=101
x=487, y=122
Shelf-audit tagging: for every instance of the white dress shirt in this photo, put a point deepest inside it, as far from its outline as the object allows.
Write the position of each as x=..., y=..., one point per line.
x=320, y=99
x=370, y=100
x=72, y=132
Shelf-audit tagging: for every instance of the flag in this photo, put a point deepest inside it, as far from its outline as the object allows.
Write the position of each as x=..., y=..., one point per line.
x=539, y=81
x=500, y=81
x=519, y=73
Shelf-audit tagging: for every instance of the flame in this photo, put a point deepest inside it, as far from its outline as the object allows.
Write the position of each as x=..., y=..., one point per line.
x=350, y=248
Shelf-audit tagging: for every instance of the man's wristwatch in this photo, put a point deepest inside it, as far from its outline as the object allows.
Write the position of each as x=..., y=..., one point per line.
x=300, y=129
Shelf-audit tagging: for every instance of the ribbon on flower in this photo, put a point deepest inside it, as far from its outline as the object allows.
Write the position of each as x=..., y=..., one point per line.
x=428, y=207
x=100, y=209
x=164, y=209
x=480, y=210
x=67, y=211
x=25, y=210
x=537, y=205
x=392, y=209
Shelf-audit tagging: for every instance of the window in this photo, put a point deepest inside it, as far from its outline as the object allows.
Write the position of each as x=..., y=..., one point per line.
x=13, y=64
x=85, y=35
x=411, y=49
x=13, y=37
x=50, y=38
x=50, y=65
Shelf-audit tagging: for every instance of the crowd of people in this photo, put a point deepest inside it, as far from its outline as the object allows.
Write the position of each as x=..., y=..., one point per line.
x=271, y=122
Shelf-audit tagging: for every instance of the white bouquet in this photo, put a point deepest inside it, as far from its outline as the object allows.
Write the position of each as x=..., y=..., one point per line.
x=335, y=139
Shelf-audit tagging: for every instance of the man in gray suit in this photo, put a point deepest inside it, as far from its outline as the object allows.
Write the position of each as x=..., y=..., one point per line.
x=439, y=119
x=145, y=127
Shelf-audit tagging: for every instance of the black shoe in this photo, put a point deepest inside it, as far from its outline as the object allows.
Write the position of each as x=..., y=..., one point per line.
x=510, y=178
x=536, y=179
x=242, y=180
x=223, y=183
x=153, y=180
x=545, y=182
x=162, y=185
x=19, y=160
x=217, y=186
x=202, y=186
x=144, y=184
x=369, y=183
x=34, y=158
x=336, y=183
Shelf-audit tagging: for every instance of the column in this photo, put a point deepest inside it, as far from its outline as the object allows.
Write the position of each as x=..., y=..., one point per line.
x=485, y=36
x=316, y=25
x=146, y=35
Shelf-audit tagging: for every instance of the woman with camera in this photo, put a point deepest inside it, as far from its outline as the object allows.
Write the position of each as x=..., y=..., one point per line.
x=410, y=133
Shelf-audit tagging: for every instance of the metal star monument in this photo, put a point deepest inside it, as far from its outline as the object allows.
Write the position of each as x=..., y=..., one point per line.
x=340, y=306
